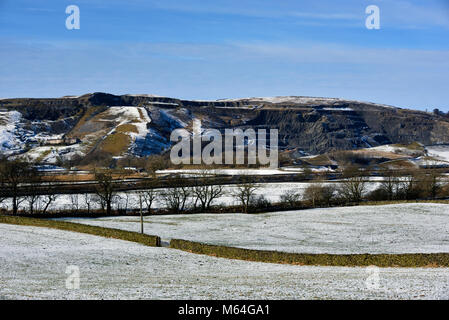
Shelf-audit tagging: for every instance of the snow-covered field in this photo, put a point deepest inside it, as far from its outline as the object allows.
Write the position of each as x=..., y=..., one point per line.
x=403, y=228
x=34, y=262
x=243, y=172
x=232, y=172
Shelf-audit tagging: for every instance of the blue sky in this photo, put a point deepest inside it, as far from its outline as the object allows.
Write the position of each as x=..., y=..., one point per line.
x=228, y=49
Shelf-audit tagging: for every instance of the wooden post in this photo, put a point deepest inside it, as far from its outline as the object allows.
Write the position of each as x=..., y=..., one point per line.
x=141, y=214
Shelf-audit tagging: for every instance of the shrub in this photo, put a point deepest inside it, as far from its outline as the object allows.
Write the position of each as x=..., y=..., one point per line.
x=378, y=194
x=245, y=193
x=352, y=189
x=260, y=202
x=291, y=197
x=317, y=194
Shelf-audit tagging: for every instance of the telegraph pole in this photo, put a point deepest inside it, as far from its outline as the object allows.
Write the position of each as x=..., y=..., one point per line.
x=141, y=214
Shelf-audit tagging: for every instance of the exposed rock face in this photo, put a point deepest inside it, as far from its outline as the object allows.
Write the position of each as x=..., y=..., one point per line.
x=323, y=130
x=314, y=125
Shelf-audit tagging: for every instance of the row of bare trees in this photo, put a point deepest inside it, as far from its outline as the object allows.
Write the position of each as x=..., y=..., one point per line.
x=420, y=184
x=353, y=188
x=176, y=197
x=27, y=189
x=200, y=196
x=199, y=193
x=22, y=183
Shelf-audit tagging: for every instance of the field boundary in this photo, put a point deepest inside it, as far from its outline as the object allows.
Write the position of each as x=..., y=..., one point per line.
x=411, y=260
x=148, y=240
x=404, y=260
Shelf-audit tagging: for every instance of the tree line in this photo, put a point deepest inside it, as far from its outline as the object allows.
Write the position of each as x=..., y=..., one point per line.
x=30, y=193
x=22, y=183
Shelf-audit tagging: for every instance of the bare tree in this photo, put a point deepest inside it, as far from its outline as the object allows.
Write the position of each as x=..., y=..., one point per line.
x=204, y=192
x=96, y=198
x=122, y=202
x=87, y=199
x=390, y=185
x=409, y=187
x=40, y=200
x=291, y=197
x=245, y=192
x=149, y=194
x=74, y=200
x=431, y=183
x=105, y=189
x=319, y=194
x=14, y=176
x=149, y=197
x=48, y=199
x=176, y=196
x=33, y=195
x=312, y=193
x=32, y=200
x=353, y=186
x=352, y=189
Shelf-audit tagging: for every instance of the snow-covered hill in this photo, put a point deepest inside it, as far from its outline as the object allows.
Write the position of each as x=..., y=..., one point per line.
x=98, y=124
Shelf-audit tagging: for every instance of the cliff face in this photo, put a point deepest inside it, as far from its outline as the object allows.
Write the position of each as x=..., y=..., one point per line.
x=323, y=130
x=141, y=124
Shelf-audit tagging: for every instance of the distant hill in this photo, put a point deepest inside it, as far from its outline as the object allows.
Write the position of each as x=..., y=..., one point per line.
x=98, y=124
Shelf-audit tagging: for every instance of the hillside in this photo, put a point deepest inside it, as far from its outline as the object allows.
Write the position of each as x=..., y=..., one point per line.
x=100, y=124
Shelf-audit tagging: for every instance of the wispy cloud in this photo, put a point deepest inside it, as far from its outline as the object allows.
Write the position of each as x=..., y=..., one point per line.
x=269, y=9
x=326, y=16
x=229, y=48
x=40, y=9
x=398, y=13
x=408, y=14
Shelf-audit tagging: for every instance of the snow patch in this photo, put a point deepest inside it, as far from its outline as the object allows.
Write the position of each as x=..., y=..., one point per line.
x=440, y=152
x=9, y=127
